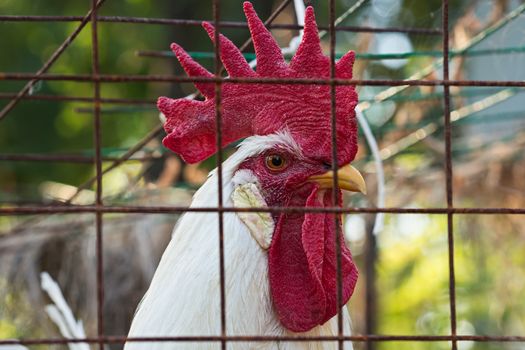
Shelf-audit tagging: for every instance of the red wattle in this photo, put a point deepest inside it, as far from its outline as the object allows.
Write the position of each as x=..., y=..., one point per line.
x=303, y=265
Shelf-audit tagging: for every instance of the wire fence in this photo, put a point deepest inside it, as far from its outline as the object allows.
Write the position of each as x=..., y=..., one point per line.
x=99, y=208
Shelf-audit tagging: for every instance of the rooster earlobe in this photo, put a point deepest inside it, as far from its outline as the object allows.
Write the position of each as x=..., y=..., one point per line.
x=260, y=224
x=309, y=54
x=231, y=56
x=193, y=69
x=270, y=60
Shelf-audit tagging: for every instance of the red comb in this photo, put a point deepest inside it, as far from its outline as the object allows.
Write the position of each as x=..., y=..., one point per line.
x=262, y=109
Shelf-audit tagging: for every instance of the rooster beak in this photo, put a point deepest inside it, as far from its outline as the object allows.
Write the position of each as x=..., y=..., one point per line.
x=348, y=179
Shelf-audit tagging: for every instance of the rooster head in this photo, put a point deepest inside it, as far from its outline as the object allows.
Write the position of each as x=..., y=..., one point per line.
x=291, y=167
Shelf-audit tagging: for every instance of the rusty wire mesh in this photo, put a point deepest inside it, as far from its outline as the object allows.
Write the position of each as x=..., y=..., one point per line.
x=99, y=208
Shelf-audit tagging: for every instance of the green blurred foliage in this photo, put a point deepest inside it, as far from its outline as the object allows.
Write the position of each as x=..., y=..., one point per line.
x=413, y=278
x=17, y=315
x=51, y=127
x=55, y=127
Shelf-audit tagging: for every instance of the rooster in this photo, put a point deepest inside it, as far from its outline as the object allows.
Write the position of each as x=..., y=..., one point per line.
x=280, y=267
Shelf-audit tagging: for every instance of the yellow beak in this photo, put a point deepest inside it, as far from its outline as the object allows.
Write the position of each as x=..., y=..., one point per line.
x=348, y=178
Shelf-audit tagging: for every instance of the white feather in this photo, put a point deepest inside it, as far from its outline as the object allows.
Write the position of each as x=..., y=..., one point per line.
x=60, y=313
x=184, y=295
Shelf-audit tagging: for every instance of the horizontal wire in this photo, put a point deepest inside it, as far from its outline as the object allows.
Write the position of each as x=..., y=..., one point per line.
x=246, y=80
x=66, y=158
x=6, y=210
x=222, y=24
x=261, y=338
x=150, y=104
x=7, y=96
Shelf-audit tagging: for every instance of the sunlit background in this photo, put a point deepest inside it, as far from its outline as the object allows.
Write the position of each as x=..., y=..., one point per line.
x=403, y=258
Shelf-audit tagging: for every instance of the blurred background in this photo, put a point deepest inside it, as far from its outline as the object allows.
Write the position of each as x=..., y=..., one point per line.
x=47, y=155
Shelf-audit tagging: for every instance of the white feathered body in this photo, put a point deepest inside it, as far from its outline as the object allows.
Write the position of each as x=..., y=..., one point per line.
x=184, y=296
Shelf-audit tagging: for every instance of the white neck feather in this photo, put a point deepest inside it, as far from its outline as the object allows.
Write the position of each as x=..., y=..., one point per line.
x=184, y=295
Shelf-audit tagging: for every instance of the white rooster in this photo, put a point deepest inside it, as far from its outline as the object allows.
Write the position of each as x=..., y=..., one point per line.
x=280, y=267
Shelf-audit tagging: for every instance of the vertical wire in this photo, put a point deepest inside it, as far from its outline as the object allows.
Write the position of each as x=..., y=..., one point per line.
x=448, y=174
x=218, y=107
x=98, y=166
x=335, y=167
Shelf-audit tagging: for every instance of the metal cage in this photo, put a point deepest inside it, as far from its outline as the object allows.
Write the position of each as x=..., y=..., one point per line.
x=99, y=208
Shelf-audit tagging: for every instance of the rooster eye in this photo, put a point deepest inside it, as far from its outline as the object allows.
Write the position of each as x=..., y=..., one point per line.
x=275, y=162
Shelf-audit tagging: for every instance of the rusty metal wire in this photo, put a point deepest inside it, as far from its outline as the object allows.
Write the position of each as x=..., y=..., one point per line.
x=99, y=209
x=261, y=338
x=218, y=142
x=97, y=135
x=335, y=189
x=55, y=209
x=223, y=24
x=67, y=158
x=107, y=78
x=125, y=101
x=448, y=177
